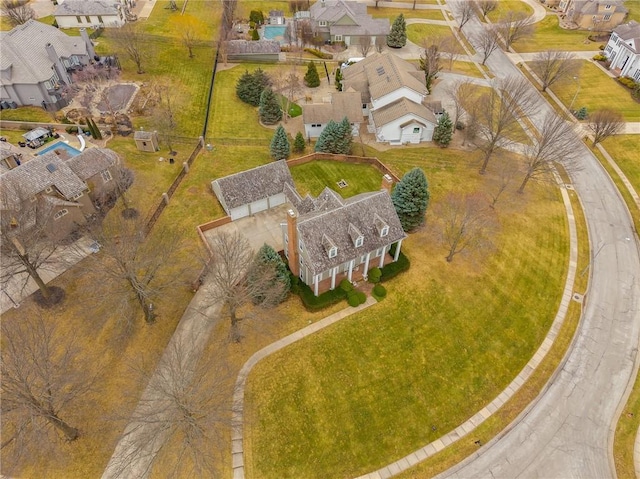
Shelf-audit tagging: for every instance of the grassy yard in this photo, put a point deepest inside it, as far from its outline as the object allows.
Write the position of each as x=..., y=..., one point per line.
x=624, y=150
x=548, y=33
x=597, y=90
x=314, y=176
x=505, y=6
x=392, y=13
x=462, y=67
x=416, y=32
x=26, y=113
x=431, y=354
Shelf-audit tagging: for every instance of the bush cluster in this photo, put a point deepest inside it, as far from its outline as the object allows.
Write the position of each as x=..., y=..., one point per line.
x=316, y=303
x=374, y=275
x=379, y=291
x=628, y=82
x=356, y=298
x=600, y=57
x=346, y=286
x=319, y=54
x=394, y=269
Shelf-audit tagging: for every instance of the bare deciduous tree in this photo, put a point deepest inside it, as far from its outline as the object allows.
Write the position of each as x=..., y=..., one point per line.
x=450, y=50
x=231, y=266
x=465, y=12
x=465, y=222
x=487, y=6
x=41, y=379
x=514, y=26
x=460, y=92
x=507, y=170
x=164, y=114
x=488, y=41
x=554, y=142
x=228, y=13
x=499, y=113
x=130, y=39
x=191, y=30
x=553, y=65
x=17, y=11
x=605, y=123
x=380, y=43
x=430, y=62
x=364, y=44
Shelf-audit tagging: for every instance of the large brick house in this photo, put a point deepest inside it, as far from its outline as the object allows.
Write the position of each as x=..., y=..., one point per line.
x=348, y=22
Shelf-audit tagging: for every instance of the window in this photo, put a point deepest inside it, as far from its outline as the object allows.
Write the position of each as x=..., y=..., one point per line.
x=385, y=230
x=607, y=18
x=316, y=125
x=48, y=190
x=333, y=252
x=88, y=18
x=359, y=241
x=322, y=23
x=337, y=38
x=78, y=19
x=60, y=214
x=416, y=129
x=79, y=195
x=607, y=7
x=378, y=252
x=364, y=106
x=106, y=175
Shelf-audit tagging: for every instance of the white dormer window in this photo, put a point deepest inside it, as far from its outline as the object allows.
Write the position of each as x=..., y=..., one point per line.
x=333, y=251
x=60, y=214
x=607, y=7
x=322, y=23
x=106, y=176
x=48, y=190
x=384, y=231
x=359, y=241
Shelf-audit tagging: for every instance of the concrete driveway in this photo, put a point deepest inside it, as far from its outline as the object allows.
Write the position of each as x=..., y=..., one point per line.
x=261, y=228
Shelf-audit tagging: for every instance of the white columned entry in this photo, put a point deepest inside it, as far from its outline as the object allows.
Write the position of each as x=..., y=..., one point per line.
x=384, y=251
x=315, y=284
x=366, y=265
x=350, y=268
x=397, y=255
x=333, y=277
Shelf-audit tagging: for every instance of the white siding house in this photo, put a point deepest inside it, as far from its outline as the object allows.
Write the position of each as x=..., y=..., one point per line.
x=316, y=116
x=89, y=13
x=403, y=122
x=623, y=50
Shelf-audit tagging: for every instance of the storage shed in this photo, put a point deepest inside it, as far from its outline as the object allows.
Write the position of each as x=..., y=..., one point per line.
x=249, y=192
x=146, y=140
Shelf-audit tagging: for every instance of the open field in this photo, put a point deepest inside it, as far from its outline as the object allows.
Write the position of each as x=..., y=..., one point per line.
x=392, y=13
x=597, y=91
x=26, y=113
x=416, y=32
x=338, y=409
x=548, y=34
x=624, y=150
x=505, y=6
x=313, y=177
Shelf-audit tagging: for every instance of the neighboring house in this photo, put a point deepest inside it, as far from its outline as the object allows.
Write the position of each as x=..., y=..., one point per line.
x=146, y=140
x=249, y=192
x=36, y=62
x=316, y=116
x=9, y=158
x=63, y=189
x=329, y=238
x=623, y=50
x=393, y=94
x=276, y=17
x=348, y=22
x=596, y=15
x=252, y=51
x=89, y=13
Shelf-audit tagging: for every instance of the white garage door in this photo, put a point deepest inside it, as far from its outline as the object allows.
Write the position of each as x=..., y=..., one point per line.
x=239, y=212
x=276, y=200
x=258, y=206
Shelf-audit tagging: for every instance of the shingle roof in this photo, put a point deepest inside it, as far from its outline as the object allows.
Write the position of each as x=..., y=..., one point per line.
x=35, y=134
x=253, y=185
x=143, y=135
x=590, y=7
x=338, y=223
x=629, y=32
x=332, y=11
x=86, y=7
x=342, y=104
x=245, y=47
x=24, y=58
x=92, y=161
x=400, y=108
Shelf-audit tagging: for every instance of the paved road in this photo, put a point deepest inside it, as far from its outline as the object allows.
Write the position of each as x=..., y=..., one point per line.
x=567, y=432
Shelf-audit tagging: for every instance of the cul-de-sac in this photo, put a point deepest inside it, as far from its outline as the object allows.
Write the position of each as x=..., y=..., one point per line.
x=318, y=239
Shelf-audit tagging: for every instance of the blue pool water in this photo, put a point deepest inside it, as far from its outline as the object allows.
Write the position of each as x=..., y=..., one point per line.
x=72, y=151
x=274, y=32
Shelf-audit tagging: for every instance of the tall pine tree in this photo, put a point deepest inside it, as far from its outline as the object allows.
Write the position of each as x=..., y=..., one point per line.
x=444, y=131
x=267, y=258
x=298, y=143
x=335, y=138
x=411, y=198
x=345, y=138
x=270, y=111
x=280, y=148
x=250, y=86
x=398, y=35
x=311, y=78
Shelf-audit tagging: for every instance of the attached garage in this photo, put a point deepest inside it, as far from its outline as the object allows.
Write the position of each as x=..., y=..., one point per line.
x=252, y=191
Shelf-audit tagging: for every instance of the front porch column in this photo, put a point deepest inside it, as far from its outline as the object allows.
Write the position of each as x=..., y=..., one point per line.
x=384, y=251
x=397, y=255
x=366, y=265
x=333, y=277
x=315, y=284
x=350, y=269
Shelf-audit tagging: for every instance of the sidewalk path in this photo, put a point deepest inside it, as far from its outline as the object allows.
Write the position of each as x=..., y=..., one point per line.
x=238, y=394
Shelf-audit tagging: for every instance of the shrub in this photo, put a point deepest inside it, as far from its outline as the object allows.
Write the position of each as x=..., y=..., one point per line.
x=252, y=25
x=255, y=35
x=601, y=47
x=581, y=114
x=600, y=57
x=362, y=298
x=295, y=283
x=71, y=129
x=374, y=275
x=319, y=54
x=394, y=269
x=628, y=82
x=316, y=303
x=353, y=300
x=311, y=78
x=299, y=143
x=256, y=16
x=345, y=285
x=379, y=291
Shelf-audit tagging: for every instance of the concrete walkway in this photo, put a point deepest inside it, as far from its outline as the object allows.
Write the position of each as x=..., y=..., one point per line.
x=238, y=394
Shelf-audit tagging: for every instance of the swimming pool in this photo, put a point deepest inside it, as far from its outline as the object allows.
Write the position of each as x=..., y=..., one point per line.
x=71, y=150
x=274, y=32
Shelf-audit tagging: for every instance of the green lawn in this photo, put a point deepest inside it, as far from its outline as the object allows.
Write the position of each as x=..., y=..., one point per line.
x=624, y=150
x=418, y=31
x=464, y=68
x=597, y=90
x=446, y=340
x=504, y=6
x=549, y=35
x=26, y=113
x=314, y=176
x=392, y=13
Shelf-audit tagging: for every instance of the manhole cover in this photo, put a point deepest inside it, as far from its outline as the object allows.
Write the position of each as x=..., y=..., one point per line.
x=577, y=297
x=568, y=186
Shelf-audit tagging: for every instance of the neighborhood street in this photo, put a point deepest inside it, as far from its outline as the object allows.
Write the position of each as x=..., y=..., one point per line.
x=567, y=431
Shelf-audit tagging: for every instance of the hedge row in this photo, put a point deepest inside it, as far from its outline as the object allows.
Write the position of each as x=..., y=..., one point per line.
x=394, y=269
x=312, y=302
x=319, y=54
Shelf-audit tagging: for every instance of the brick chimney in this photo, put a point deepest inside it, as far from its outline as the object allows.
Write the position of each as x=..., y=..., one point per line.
x=57, y=64
x=387, y=183
x=292, y=245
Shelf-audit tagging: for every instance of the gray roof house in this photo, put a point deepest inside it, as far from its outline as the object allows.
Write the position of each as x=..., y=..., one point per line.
x=623, y=50
x=316, y=116
x=93, y=13
x=35, y=63
x=251, y=191
x=253, y=51
x=329, y=238
x=346, y=21
x=394, y=96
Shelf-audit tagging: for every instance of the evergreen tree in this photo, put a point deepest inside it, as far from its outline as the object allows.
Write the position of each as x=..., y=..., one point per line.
x=345, y=138
x=411, y=198
x=270, y=112
x=255, y=35
x=280, y=148
x=298, y=143
x=335, y=138
x=250, y=86
x=398, y=36
x=444, y=131
x=257, y=17
x=339, y=79
x=267, y=258
x=327, y=138
x=311, y=78
x=90, y=127
x=97, y=130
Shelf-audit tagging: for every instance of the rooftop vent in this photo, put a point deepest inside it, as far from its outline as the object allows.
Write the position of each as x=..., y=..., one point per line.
x=51, y=167
x=380, y=71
